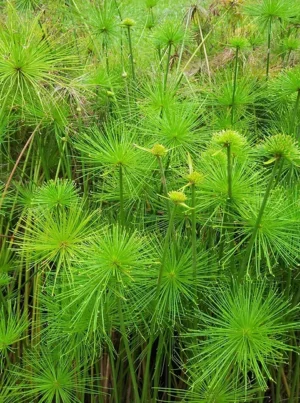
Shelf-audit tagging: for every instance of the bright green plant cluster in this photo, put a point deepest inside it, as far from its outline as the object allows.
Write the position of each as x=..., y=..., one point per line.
x=150, y=201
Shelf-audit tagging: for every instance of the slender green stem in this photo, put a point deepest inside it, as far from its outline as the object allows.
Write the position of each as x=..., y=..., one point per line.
x=229, y=172
x=61, y=151
x=278, y=385
x=229, y=207
x=167, y=67
x=113, y=375
x=296, y=297
x=296, y=374
x=163, y=182
x=285, y=383
x=194, y=233
x=105, y=45
x=261, y=396
x=157, y=369
x=152, y=15
x=131, y=52
x=163, y=176
x=229, y=198
x=128, y=352
x=165, y=251
x=169, y=367
x=3, y=302
x=150, y=19
x=294, y=125
x=269, y=48
x=35, y=309
x=297, y=392
x=236, y=65
x=272, y=392
x=121, y=190
x=154, y=317
x=280, y=168
x=159, y=55
x=259, y=218
x=92, y=383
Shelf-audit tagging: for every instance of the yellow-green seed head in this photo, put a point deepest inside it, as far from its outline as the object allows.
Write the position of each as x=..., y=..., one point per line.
x=195, y=178
x=158, y=150
x=128, y=22
x=281, y=146
x=231, y=138
x=177, y=197
x=238, y=42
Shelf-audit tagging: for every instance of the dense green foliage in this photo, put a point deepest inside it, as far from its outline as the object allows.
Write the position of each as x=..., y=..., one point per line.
x=150, y=201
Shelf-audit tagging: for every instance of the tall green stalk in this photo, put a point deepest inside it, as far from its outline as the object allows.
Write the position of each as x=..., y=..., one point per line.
x=163, y=181
x=131, y=52
x=167, y=66
x=278, y=384
x=163, y=176
x=269, y=48
x=259, y=218
x=236, y=64
x=105, y=46
x=165, y=251
x=296, y=375
x=194, y=232
x=227, y=212
x=156, y=299
x=157, y=369
x=128, y=352
x=294, y=125
x=229, y=172
x=121, y=192
x=114, y=377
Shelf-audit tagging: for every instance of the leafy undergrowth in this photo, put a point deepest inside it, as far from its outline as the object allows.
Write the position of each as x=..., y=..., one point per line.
x=149, y=208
